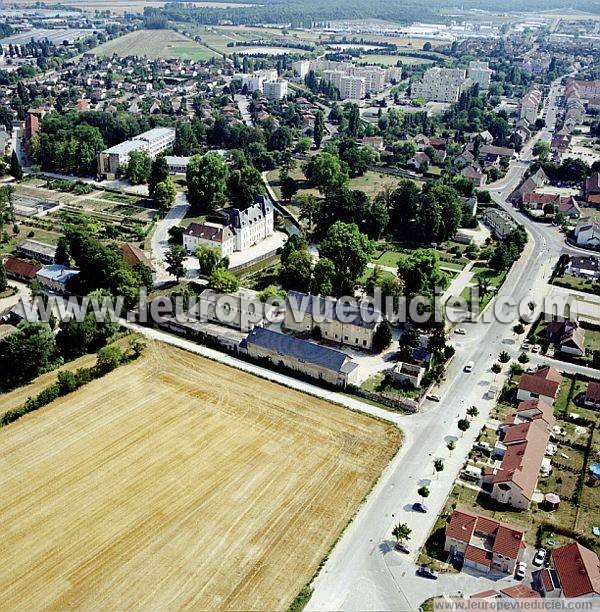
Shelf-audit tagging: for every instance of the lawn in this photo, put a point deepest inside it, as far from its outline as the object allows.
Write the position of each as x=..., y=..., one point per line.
x=194, y=52
x=392, y=60
x=592, y=340
x=577, y=284
x=27, y=232
x=494, y=277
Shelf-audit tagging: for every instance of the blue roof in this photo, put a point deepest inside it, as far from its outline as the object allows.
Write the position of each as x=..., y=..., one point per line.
x=58, y=273
x=302, y=350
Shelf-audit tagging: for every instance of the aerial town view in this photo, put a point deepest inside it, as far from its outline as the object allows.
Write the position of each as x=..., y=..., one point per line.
x=299, y=305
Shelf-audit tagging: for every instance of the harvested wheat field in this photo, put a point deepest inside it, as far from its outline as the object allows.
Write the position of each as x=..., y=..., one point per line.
x=177, y=482
x=155, y=43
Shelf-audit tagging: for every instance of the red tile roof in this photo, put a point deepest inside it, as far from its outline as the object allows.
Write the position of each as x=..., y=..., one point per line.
x=545, y=381
x=578, y=570
x=461, y=525
x=478, y=555
x=547, y=580
x=19, y=267
x=592, y=393
x=523, y=457
x=485, y=594
x=539, y=410
x=508, y=541
x=520, y=591
x=133, y=255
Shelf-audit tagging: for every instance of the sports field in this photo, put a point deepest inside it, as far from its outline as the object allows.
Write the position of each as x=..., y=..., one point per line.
x=155, y=43
x=177, y=482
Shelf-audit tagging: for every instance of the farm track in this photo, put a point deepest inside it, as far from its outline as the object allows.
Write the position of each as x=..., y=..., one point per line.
x=177, y=482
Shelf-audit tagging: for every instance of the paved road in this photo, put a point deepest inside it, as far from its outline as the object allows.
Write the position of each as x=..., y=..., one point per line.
x=361, y=573
x=160, y=238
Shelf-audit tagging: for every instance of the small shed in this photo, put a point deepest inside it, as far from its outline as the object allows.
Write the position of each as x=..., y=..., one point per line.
x=551, y=501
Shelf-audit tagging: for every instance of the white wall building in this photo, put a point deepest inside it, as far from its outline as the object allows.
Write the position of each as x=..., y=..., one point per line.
x=352, y=88
x=301, y=68
x=275, y=90
x=441, y=85
x=480, y=73
x=530, y=104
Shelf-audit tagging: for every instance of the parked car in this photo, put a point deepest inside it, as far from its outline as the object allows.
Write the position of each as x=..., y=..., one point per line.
x=540, y=557
x=521, y=569
x=427, y=572
x=469, y=366
x=536, y=348
x=461, y=331
x=401, y=548
x=434, y=398
x=525, y=346
x=419, y=507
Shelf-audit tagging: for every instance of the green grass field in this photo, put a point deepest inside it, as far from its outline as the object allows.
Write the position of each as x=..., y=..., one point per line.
x=194, y=53
x=392, y=60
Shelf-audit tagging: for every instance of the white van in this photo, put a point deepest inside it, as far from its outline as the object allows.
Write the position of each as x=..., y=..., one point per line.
x=469, y=366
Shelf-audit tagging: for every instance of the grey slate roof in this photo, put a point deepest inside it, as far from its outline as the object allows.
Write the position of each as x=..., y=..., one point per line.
x=326, y=307
x=301, y=350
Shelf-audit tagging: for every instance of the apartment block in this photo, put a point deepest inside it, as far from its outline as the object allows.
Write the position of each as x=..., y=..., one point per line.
x=441, y=85
x=480, y=73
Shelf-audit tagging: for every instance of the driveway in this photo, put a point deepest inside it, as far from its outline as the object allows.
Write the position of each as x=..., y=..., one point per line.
x=159, y=242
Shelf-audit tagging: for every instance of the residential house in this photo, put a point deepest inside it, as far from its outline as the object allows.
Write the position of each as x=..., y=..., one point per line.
x=40, y=251
x=592, y=185
x=574, y=572
x=527, y=411
x=587, y=233
x=241, y=310
x=318, y=362
x=591, y=399
x=530, y=184
x=21, y=270
x=514, y=481
x=584, y=267
x=418, y=160
x=331, y=319
x=499, y=221
x=56, y=278
x=474, y=175
x=485, y=544
x=567, y=205
x=567, y=336
x=543, y=384
x=408, y=373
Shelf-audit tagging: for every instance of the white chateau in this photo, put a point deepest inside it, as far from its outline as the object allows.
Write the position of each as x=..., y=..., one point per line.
x=242, y=230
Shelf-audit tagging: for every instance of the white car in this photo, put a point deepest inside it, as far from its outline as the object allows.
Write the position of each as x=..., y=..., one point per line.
x=540, y=557
x=525, y=346
x=536, y=348
x=469, y=366
x=461, y=331
x=521, y=569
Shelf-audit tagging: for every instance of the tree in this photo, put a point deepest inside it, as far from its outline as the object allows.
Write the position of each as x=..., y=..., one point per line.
x=174, y=259
x=308, y=208
x=109, y=358
x=423, y=492
x=223, y=281
x=472, y=411
x=541, y=149
x=15, y=167
x=210, y=259
x=3, y=279
x=165, y=194
x=401, y=532
x=421, y=273
x=207, y=181
x=158, y=174
x=523, y=358
x=350, y=251
x=296, y=272
x=244, y=184
x=496, y=368
x=382, y=337
x=270, y=292
x=62, y=256
x=404, y=205
x=519, y=329
x=326, y=172
x=451, y=445
x=289, y=187
x=438, y=465
x=322, y=278
x=319, y=129
x=138, y=167
x=296, y=242
x=504, y=357
x=463, y=425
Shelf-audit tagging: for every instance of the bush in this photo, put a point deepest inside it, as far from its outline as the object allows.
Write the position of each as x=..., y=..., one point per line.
x=67, y=382
x=109, y=358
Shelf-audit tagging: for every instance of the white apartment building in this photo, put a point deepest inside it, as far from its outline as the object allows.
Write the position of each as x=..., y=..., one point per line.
x=334, y=77
x=480, y=73
x=441, y=85
x=530, y=104
x=154, y=142
x=301, y=68
x=275, y=90
x=373, y=75
x=352, y=88
x=393, y=73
